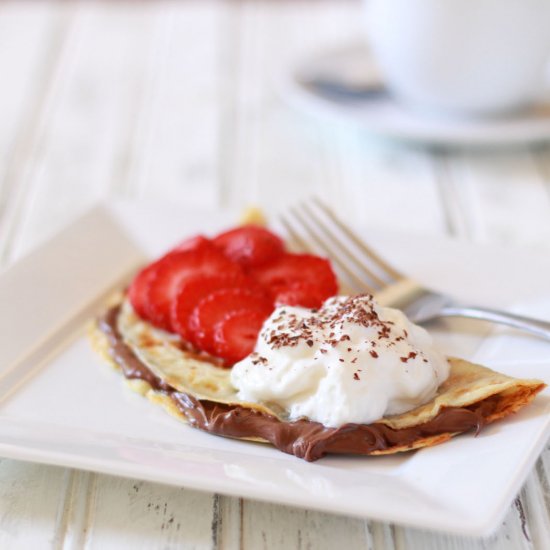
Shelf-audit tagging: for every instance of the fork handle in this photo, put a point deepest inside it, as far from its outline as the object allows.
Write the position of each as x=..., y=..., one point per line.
x=528, y=324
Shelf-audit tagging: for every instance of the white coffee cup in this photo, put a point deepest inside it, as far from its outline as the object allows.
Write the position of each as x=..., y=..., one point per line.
x=467, y=57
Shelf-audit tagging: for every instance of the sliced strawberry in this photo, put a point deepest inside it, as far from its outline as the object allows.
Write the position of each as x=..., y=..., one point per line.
x=193, y=243
x=192, y=291
x=235, y=336
x=250, y=245
x=297, y=269
x=302, y=294
x=137, y=291
x=174, y=268
x=218, y=305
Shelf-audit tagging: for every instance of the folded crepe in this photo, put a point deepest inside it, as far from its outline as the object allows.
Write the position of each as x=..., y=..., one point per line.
x=196, y=390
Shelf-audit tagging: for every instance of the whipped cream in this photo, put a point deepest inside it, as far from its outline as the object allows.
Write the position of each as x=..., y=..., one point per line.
x=350, y=361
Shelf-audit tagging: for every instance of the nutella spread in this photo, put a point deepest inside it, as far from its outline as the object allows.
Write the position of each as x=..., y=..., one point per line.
x=306, y=439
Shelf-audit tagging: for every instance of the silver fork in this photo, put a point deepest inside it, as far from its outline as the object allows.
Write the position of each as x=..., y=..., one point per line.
x=363, y=270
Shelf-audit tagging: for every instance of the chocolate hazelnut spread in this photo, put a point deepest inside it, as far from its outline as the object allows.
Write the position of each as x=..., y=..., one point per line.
x=302, y=438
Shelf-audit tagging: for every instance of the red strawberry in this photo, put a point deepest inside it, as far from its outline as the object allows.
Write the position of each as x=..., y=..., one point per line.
x=235, y=336
x=250, y=245
x=193, y=243
x=192, y=291
x=217, y=306
x=170, y=271
x=301, y=294
x=297, y=269
x=137, y=292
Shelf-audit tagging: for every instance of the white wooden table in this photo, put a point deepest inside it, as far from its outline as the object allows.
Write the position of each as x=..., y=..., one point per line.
x=175, y=101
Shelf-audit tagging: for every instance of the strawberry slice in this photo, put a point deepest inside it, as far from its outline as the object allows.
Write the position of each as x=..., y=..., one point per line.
x=137, y=291
x=235, y=336
x=170, y=271
x=250, y=245
x=302, y=294
x=192, y=291
x=193, y=243
x=217, y=306
x=292, y=270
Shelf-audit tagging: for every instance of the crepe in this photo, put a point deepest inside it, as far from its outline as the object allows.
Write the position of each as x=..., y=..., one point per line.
x=194, y=389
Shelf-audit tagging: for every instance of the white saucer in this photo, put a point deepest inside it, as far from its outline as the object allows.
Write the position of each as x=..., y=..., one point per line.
x=343, y=84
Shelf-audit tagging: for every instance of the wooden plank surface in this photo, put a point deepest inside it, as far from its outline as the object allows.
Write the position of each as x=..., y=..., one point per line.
x=178, y=101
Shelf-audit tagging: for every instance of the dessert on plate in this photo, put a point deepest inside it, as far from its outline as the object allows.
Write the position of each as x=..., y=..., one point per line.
x=239, y=337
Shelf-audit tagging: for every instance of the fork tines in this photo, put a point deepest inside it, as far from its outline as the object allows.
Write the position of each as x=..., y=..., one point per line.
x=314, y=227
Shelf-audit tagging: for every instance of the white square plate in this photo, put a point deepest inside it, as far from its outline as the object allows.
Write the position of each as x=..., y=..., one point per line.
x=59, y=404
